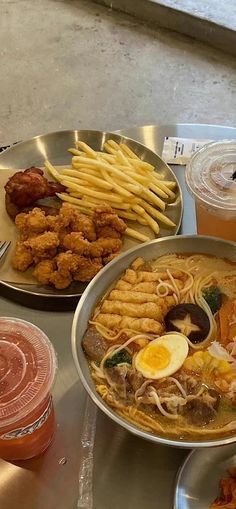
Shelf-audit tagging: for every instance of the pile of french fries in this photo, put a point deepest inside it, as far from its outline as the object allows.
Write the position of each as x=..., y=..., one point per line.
x=119, y=178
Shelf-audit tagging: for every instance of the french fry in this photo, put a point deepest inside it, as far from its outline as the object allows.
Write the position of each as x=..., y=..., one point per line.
x=155, y=213
x=87, y=149
x=89, y=178
x=128, y=151
x=90, y=192
x=55, y=174
x=136, y=235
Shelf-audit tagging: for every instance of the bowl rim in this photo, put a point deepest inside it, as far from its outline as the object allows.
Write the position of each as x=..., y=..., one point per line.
x=95, y=396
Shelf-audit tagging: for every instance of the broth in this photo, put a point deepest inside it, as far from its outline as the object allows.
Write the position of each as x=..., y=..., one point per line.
x=161, y=346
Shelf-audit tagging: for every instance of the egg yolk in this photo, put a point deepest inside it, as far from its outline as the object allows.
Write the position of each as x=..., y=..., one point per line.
x=156, y=357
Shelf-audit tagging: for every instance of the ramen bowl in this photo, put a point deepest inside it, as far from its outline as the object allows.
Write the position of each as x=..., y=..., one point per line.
x=99, y=286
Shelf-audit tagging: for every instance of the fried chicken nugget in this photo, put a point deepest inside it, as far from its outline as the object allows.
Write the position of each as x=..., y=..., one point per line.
x=44, y=270
x=76, y=243
x=104, y=247
x=22, y=258
x=68, y=263
x=88, y=269
x=32, y=223
x=60, y=282
x=43, y=246
x=70, y=216
x=105, y=216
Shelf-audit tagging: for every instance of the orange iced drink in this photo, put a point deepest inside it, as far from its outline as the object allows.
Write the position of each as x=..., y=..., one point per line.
x=211, y=179
x=27, y=370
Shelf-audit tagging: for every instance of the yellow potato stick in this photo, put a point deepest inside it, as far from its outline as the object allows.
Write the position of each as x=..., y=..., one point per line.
x=153, y=198
x=141, y=211
x=74, y=151
x=122, y=159
x=70, y=199
x=123, y=206
x=136, y=235
x=116, y=186
x=170, y=184
x=87, y=149
x=89, y=178
x=157, y=190
x=90, y=192
x=113, y=144
x=55, y=174
x=142, y=164
x=109, y=149
x=166, y=189
x=157, y=214
x=126, y=150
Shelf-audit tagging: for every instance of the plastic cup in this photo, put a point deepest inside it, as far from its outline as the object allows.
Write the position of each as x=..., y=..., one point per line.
x=211, y=179
x=27, y=370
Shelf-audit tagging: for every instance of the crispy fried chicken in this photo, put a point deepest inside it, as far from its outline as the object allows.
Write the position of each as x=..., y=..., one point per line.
x=26, y=187
x=107, y=223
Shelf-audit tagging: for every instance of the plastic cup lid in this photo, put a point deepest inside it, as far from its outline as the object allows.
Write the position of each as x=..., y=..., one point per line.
x=27, y=368
x=211, y=175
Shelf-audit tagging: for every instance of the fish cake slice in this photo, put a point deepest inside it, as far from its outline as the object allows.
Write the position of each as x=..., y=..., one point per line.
x=146, y=310
x=118, y=322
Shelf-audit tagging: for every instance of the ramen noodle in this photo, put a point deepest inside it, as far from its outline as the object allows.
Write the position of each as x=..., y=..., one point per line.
x=161, y=346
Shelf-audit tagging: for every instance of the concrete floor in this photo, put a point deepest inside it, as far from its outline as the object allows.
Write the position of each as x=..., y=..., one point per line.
x=73, y=64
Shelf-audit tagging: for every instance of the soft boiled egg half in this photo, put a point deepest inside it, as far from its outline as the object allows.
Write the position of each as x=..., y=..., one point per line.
x=163, y=356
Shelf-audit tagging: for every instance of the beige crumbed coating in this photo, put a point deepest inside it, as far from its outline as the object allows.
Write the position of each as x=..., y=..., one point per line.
x=22, y=258
x=67, y=246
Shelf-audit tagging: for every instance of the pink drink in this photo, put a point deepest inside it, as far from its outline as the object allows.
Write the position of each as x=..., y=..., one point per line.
x=27, y=370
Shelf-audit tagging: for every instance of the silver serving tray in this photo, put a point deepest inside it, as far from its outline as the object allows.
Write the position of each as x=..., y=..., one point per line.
x=197, y=483
x=97, y=288
x=54, y=146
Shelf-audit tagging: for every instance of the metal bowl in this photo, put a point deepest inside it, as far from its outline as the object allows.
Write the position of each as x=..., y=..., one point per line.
x=54, y=146
x=97, y=288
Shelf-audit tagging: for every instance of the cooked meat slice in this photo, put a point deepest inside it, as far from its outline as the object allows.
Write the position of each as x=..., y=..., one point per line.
x=94, y=345
x=135, y=379
x=116, y=377
x=22, y=258
x=44, y=270
x=203, y=409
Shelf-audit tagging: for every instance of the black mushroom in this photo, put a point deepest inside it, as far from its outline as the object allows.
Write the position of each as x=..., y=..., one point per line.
x=203, y=409
x=94, y=345
x=190, y=320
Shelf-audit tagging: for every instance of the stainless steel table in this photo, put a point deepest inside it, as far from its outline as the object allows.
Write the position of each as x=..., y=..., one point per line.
x=128, y=472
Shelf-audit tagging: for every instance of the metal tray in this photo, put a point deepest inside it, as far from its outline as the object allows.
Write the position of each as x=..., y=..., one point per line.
x=54, y=146
x=198, y=479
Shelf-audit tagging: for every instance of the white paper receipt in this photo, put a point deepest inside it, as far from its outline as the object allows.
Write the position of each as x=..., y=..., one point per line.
x=180, y=150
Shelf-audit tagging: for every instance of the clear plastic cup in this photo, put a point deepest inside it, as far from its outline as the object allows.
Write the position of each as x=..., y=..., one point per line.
x=211, y=179
x=27, y=370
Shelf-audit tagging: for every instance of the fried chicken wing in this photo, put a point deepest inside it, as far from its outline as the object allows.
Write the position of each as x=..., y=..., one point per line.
x=44, y=270
x=107, y=223
x=87, y=270
x=31, y=224
x=22, y=258
x=26, y=187
x=43, y=246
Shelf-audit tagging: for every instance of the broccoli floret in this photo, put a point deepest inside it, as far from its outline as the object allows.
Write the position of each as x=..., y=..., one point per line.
x=213, y=297
x=119, y=358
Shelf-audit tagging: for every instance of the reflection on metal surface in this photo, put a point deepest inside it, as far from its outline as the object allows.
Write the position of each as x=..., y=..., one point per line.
x=41, y=148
